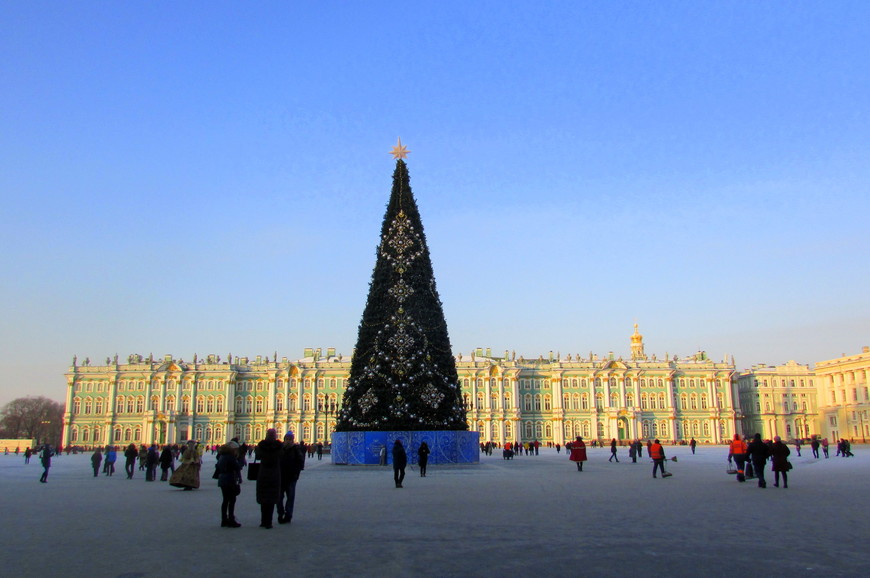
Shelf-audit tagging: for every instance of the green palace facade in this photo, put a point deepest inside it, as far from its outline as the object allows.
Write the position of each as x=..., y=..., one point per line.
x=552, y=398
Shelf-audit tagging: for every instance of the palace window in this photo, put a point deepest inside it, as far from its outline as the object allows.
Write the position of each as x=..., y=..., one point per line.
x=566, y=401
x=693, y=401
x=86, y=434
x=219, y=404
x=507, y=401
x=703, y=401
x=99, y=406
x=529, y=430
x=614, y=400
x=547, y=404
x=239, y=404
x=527, y=402
x=291, y=403
x=185, y=404
x=662, y=403
x=584, y=401
x=117, y=435
x=200, y=407
x=643, y=402
x=629, y=399
x=306, y=403
x=249, y=404
x=279, y=403
x=88, y=405
x=684, y=400
x=209, y=404
x=77, y=405
x=155, y=402
x=130, y=404
x=259, y=405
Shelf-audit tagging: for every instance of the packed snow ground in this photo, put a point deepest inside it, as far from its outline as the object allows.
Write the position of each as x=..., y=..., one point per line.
x=534, y=515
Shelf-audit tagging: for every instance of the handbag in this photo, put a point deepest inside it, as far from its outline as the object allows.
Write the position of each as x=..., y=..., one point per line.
x=216, y=473
x=730, y=471
x=788, y=466
x=253, y=470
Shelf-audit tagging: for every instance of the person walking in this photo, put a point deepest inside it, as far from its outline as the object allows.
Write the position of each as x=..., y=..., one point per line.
x=268, y=452
x=814, y=446
x=578, y=453
x=130, y=455
x=151, y=461
x=613, y=451
x=758, y=452
x=737, y=451
x=167, y=463
x=423, y=458
x=96, y=460
x=111, y=458
x=229, y=474
x=632, y=452
x=797, y=446
x=657, y=453
x=779, y=453
x=45, y=458
x=292, y=464
x=186, y=476
x=825, y=447
x=693, y=444
x=400, y=461
x=27, y=453
x=143, y=457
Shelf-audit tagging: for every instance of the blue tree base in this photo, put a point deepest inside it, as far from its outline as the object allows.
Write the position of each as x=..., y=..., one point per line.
x=362, y=448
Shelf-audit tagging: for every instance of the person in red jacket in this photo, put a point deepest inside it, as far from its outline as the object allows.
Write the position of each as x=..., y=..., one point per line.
x=657, y=453
x=578, y=453
x=738, y=451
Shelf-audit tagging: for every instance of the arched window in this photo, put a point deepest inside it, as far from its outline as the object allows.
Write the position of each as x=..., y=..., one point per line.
x=547, y=403
x=249, y=404
x=703, y=401
x=185, y=404
x=684, y=401
x=279, y=403
x=200, y=407
x=219, y=404
x=259, y=404
x=291, y=403
x=77, y=405
x=306, y=402
x=97, y=432
x=569, y=430
x=529, y=430
x=198, y=430
x=662, y=403
x=527, y=402
x=508, y=430
x=629, y=399
x=240, y=407
x=614, y=399
x=494, y=400
x=130, y=404
x=599, y=400
x=86, y=434
x=119, y=404
x=249, y=433
x=209, y=404
x=155, y=403
x=74, y=434
x=600, y=430
x=117, y=435
x=706, y=429
x=539, y=430
x=584, y=401
x=128, y=434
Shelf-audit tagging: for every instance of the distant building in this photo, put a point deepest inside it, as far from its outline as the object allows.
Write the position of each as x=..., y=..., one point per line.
x=843, y=396
x=779, y=400
x=507, y=399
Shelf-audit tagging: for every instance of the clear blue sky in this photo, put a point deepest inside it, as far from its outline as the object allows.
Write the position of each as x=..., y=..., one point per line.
x=210, y=177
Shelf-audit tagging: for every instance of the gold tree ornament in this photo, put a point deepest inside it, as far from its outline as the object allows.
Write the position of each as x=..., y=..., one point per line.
x=400, y=151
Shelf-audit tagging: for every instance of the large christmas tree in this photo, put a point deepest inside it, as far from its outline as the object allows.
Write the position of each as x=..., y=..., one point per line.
x=403, y=375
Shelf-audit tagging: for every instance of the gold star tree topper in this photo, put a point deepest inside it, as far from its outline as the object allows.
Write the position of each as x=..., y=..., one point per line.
x=400, y=151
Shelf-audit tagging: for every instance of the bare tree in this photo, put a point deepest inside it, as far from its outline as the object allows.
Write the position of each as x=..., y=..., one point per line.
x=37, y=418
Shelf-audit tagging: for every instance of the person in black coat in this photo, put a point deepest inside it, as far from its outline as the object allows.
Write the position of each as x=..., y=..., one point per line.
x=268, y=452
x=229, y=480
x=423, y=458
x=758, y=453
x=400, y=461
x=45, y=457
x=152, y=458
x=167, y=462
x=292, y=463
x=130, y=455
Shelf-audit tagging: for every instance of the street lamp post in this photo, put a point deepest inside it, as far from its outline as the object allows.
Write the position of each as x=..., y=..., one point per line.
x=327, y=408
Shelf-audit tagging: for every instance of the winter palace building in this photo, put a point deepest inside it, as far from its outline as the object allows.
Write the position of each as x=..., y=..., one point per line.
x=550, y=399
